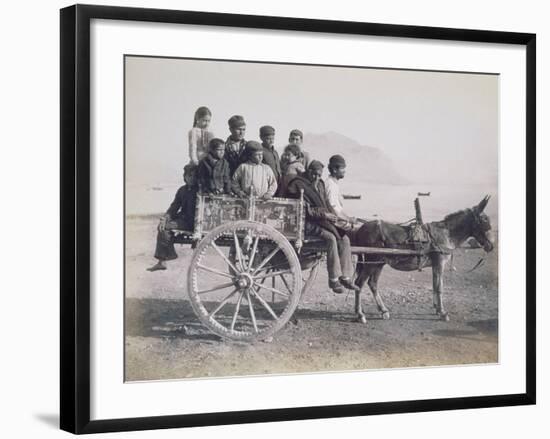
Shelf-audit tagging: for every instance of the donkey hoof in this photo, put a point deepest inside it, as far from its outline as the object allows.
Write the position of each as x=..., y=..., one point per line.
x=444, y=317
x=361, y=319
x=386, y=315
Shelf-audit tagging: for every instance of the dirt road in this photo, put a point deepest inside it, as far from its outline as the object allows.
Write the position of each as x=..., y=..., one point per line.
x=164, y=339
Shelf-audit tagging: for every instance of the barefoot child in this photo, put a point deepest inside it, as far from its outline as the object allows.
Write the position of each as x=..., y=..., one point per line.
x=199, y=136
x=179, y=216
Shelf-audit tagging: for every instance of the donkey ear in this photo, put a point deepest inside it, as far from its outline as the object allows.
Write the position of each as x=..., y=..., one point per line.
x=482, y=204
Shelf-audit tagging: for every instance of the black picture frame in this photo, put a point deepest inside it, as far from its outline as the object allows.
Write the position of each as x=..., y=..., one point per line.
x=75, y=217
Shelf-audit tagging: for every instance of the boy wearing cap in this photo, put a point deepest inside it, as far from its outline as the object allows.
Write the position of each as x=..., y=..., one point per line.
x=179, y=216
x=271, y=157
x=320, y=221
x=254, y=176
x=337, y=171
x=213, y=171
x=296, y=137
x=235, y=143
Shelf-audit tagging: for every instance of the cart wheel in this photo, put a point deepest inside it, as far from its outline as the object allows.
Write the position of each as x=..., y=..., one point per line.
x=249, y=290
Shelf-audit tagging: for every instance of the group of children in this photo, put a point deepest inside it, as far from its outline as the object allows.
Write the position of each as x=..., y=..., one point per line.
x=238, y=167
x=242, y=168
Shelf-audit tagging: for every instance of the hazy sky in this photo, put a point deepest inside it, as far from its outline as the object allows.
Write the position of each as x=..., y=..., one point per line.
x=434, y=126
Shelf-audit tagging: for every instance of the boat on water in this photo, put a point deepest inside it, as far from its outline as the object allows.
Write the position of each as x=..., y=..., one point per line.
x=351, y=197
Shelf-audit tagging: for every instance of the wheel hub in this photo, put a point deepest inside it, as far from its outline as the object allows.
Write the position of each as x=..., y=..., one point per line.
x=244, y=280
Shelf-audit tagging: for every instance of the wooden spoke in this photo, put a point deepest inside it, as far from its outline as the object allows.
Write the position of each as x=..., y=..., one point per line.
x=272, y=274
x=274, y=266
x=285, y=282
x=251, y=308
x=222, y=303
x=213, y=270
x=265, y=305
x=227, y=261
x=266, y=260
x=238, y=251
x=231, y=289
x=273, y=290
x=216, y=288
x=236, y=313
x=253, y=253
x=265, y=278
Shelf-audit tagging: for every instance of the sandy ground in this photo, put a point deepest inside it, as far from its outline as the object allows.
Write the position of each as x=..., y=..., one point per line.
x=164, y=339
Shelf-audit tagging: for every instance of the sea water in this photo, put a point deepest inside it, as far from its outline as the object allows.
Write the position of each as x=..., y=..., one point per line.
x=394, y=203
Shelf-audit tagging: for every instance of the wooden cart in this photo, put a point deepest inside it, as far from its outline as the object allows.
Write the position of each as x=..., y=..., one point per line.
x=251, y=264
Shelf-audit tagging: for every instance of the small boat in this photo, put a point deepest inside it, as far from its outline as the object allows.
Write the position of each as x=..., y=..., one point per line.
x=351, y=197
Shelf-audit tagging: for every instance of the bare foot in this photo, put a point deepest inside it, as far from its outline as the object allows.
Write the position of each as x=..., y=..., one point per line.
x=158, y=266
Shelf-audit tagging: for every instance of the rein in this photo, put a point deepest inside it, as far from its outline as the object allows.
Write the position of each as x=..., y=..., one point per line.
x=479, y=264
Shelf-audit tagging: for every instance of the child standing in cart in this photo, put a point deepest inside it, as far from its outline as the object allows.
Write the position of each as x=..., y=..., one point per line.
x=199, y=135
x=270, y=154
x=179, y=216
x=235, y=144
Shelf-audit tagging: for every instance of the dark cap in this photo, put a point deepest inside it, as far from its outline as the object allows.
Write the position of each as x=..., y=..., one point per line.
x=336, y=160
x=189, y=169
x=253, y=146
x=296, y=133
x=236, y=121
x=215, y=143
x=266, y=130
x=315, y=165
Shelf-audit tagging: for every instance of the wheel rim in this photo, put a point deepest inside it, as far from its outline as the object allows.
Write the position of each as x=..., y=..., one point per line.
x=249, y=290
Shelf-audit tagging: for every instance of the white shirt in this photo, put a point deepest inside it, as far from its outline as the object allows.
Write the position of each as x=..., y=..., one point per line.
x=333, y=194
x=260, y=176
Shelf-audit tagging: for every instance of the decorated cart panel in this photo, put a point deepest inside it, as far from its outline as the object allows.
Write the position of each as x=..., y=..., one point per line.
x=283, y=214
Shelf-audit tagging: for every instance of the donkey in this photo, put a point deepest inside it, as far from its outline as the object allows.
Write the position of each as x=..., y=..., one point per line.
x=443, y=236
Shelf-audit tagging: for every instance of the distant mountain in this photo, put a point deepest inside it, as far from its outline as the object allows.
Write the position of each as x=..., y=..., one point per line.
x=364, y=162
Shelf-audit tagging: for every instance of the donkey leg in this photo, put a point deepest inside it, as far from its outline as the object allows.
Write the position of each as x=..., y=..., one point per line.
x=362, y=275
x=438, y=268
x=373, y=285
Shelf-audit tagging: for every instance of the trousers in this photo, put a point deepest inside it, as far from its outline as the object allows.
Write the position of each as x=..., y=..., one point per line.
x=164, y=250
x=338, y=255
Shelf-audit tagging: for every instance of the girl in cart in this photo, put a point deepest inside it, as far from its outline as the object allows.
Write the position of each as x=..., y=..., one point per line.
x=199, y=135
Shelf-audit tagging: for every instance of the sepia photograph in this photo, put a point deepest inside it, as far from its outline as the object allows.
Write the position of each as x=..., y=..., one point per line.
x=294, y=218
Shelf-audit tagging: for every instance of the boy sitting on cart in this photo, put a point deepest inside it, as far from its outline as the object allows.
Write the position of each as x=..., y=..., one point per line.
x=213, y=170
x=320, y=221
x=179, y=216
x=254, y=177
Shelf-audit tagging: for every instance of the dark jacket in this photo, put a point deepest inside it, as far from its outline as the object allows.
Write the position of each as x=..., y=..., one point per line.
x=271, y=158
x=183, y=207
x=234, y=158
x=317, y=205
x=213, y=176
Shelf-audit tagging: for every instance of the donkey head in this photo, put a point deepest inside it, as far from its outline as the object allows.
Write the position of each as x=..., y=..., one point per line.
x=481, y=229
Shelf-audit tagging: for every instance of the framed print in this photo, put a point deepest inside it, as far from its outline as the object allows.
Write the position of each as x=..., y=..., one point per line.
x=275, y=218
